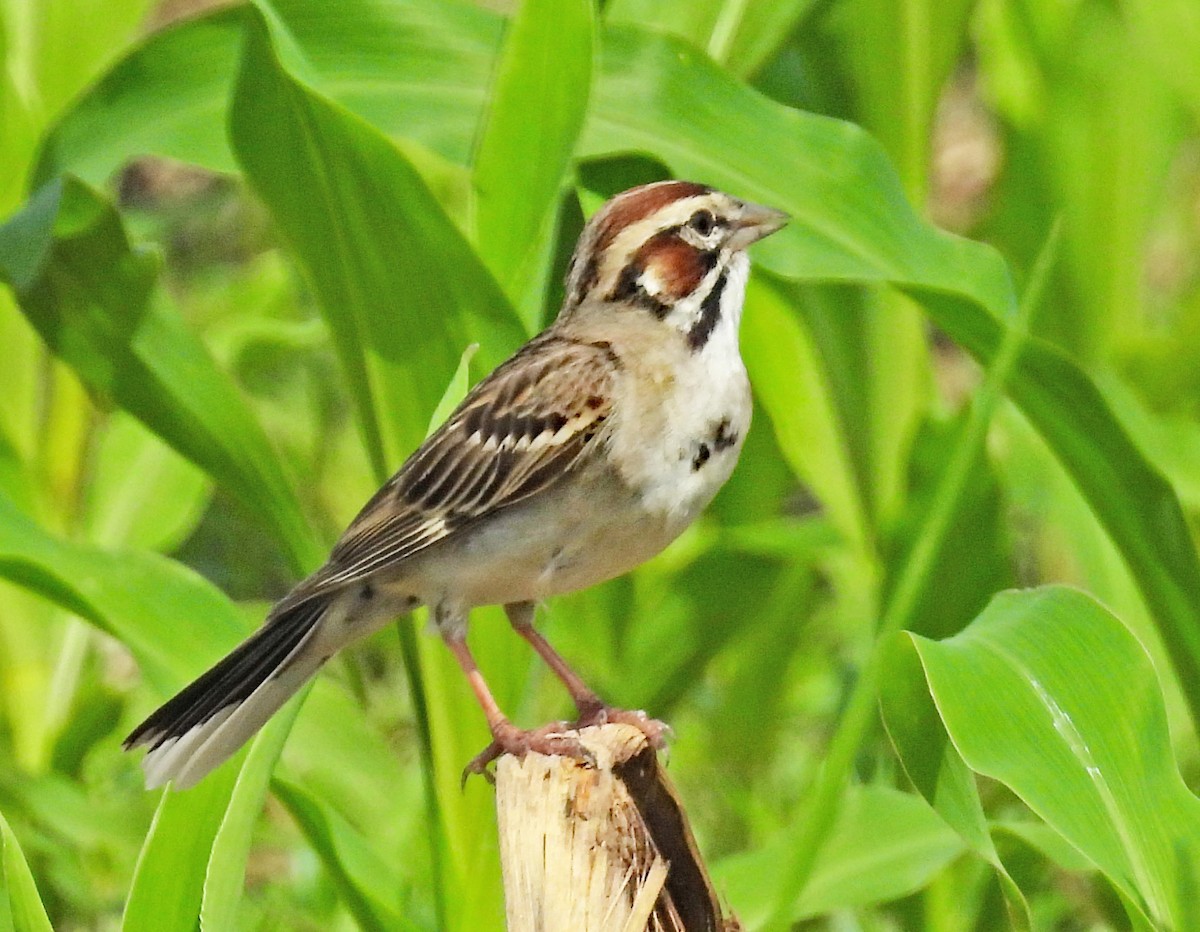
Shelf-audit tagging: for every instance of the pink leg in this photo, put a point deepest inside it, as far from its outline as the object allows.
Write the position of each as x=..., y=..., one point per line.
x=592, y=709
x=520, y=616
x=506, y=737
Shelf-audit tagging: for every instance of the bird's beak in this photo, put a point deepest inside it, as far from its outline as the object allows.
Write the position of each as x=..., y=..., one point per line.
x=755, y=222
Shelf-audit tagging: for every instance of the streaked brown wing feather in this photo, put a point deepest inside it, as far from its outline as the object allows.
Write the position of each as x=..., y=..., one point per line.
x=515, y=434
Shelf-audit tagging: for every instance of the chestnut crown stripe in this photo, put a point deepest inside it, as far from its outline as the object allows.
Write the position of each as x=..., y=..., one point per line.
x=627, y=209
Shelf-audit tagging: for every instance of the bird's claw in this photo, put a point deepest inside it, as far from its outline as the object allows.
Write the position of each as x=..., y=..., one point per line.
x=553, y=740
x=657, y=733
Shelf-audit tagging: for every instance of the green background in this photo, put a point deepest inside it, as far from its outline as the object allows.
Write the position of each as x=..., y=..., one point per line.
x=932, y=658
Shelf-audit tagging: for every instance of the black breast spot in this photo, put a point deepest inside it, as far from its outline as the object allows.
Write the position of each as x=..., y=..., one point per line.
x=702, y=456
x=724, y=436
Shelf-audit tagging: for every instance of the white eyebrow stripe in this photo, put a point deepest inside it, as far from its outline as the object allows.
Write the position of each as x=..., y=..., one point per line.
x=676, y=213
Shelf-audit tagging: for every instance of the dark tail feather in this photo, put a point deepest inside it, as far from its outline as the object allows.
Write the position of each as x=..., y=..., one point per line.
x=215, y=715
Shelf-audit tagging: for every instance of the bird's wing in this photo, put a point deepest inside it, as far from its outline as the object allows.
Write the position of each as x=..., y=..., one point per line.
x=516, y=433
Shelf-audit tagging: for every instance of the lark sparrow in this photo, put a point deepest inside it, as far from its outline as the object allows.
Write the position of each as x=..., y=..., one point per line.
x=579, y=458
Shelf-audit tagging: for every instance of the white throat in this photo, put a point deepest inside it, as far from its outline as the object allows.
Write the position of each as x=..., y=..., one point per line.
x=714, y=312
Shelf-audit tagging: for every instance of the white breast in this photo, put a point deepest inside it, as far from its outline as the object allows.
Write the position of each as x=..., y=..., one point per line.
x=679, y=436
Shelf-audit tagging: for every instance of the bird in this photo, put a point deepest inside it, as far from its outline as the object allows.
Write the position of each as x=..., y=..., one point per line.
x=580, y=457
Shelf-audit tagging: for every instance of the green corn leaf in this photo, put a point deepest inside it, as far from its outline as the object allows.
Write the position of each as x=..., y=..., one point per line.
x=535, y=112
x=226, y=871
x=1052, y=670
x=168, y=882
x=173, y=620
x=24, y=904
x=400, y=287
x=937, y=770
x=91, y=296
x=885, y=844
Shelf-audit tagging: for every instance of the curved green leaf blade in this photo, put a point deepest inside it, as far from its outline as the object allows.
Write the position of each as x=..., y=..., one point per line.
x=226, y=871
x=885, y=845
x=167, y=96
x=92, y=297
x=1136, y=505
x=1048, y=693
x=24, y=902
x=172, y=619
x=535, y=112
x=340, y=851
x=935, y=767
x=850, y=218
x=416, y=70
x=400, y=287
x=168, y=882
x=788, y=375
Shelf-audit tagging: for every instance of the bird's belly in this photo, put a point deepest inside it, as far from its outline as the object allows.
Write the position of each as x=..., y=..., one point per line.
x=575, y=535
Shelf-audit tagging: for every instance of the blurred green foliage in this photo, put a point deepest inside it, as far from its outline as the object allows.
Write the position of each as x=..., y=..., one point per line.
x=246, y=251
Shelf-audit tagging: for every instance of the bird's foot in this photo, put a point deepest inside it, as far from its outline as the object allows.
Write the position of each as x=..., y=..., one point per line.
x=656, y=732
x=553, y=740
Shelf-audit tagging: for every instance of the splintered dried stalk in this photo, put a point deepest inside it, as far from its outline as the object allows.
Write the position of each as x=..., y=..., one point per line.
x=600, y=849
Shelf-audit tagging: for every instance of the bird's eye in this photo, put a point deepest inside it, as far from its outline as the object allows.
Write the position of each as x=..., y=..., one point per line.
x=703, y=222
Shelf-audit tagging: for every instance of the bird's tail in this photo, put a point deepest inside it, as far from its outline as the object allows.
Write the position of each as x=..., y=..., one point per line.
x=219, y=712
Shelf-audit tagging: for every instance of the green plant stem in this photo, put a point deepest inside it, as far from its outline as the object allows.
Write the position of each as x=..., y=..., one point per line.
x=64, y=682
x=416, y=685
x=725, y=30
x=828, y=785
